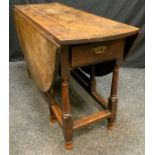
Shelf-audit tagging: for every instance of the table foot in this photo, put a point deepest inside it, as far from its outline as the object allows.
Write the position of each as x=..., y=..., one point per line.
x=53, y=119
x=69, y=145
x=110, y=126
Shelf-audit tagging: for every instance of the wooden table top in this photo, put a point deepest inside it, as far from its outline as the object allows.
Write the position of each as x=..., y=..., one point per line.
x=67, y=25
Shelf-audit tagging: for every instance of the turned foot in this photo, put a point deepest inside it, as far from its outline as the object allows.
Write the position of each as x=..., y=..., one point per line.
x=110, y=126
x=53, y=119
x=68, y=145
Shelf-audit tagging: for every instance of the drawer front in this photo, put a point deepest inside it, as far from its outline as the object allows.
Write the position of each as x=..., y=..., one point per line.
x=95, y=53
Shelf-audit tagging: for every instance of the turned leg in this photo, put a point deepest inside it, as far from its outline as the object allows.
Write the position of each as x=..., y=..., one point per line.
x=67, y=118
x=66, y=112
x=112, y=102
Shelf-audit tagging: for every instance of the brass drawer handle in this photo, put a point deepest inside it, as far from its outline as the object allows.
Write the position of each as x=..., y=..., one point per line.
x=98, y=50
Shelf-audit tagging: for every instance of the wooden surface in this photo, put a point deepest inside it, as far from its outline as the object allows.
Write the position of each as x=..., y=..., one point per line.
x=85, y=55
x=39, y=52
x=49, y=32
x=91, y=119
x=67, y=25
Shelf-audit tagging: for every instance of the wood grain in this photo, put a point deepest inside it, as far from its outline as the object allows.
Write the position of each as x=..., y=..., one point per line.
x=57, y=111
x=52, y=32
x=84, y=55
x=91, y=119
x=41, y=54
x=71, y=26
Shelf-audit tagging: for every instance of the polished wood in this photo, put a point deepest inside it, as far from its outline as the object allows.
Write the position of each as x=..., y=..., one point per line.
x=89, y=84
x=68, y=25
x=92, y=81
x=57, y=112
x=112, y=50
x=55, y=37
x=81, y=78
x=113, y=98
x=68, y=145
x=98, y=116
x=40, y=54
x=102, y=101
x=66, y=111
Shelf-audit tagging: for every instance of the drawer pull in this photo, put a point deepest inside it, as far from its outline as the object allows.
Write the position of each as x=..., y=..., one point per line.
x=98, y=50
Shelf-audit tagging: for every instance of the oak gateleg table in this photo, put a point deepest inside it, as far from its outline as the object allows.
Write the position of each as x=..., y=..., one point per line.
x=54, y=38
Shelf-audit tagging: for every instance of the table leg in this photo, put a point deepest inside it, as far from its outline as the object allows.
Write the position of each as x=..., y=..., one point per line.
x=92, y=85
x=112, y=102
x=66, y=112
x=67, y=118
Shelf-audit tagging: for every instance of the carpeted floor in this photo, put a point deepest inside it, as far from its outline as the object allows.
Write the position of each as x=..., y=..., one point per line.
x=32, y=134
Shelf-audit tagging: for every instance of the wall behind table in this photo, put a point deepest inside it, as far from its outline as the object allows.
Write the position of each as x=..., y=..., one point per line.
x=128, y=11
